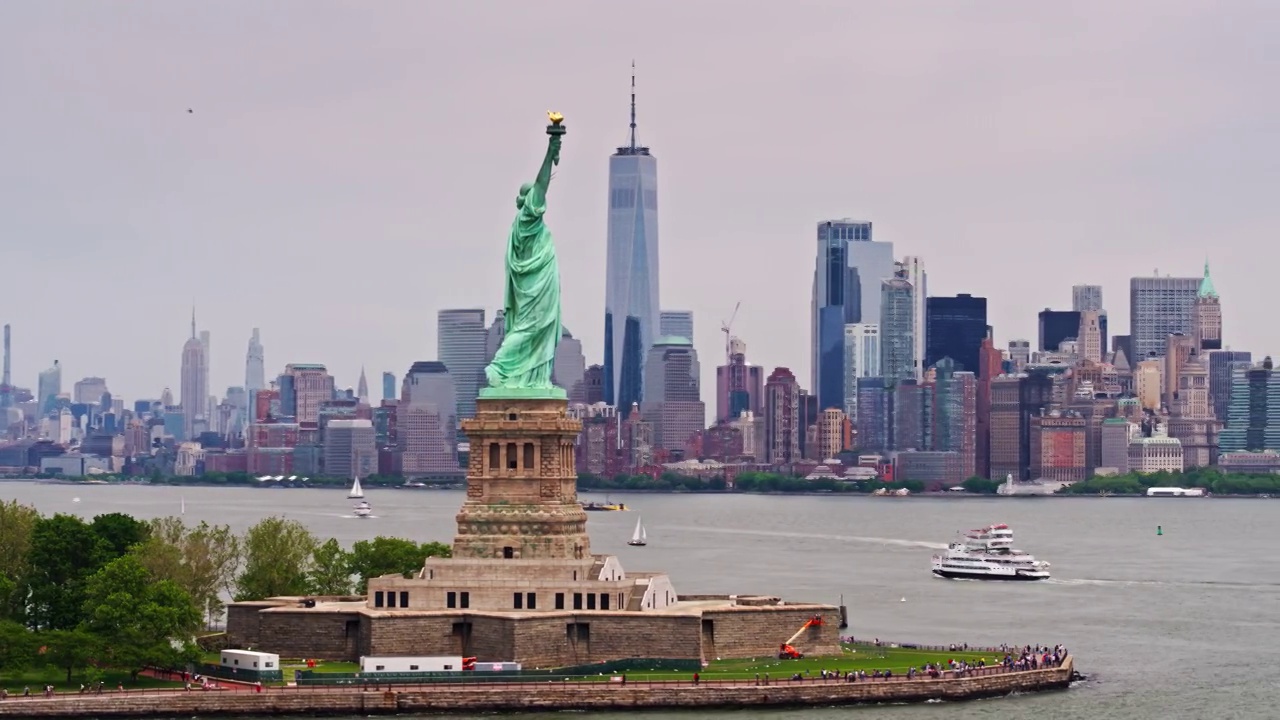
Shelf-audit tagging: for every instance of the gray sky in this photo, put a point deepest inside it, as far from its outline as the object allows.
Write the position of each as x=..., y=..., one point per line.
x=350, y=168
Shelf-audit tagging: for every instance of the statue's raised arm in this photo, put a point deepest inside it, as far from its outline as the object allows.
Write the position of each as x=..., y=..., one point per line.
x=555, y=131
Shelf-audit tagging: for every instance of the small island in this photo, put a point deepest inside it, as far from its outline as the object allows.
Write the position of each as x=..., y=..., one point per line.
x=518, y=590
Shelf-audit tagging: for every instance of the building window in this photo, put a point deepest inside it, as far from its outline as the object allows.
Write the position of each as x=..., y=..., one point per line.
x=404, y=598
x=450, y=599
x=508, y=552
x=577, y=601
x=377, y=599
x=559, y=601
x=591, y=601
x=604, y=601
x=466, y=599
x=528, y=456
x=518, y=601
x=511, y=457
x=495, y=459
x=622, y=603
x=531, y=601
x=413, y=667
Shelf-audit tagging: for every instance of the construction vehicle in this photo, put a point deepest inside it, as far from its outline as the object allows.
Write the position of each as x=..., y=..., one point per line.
x=786, y=651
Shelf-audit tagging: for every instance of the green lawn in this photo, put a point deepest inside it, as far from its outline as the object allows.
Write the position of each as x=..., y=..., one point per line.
x=855, y=657
x=37, y=678
x=324, y=666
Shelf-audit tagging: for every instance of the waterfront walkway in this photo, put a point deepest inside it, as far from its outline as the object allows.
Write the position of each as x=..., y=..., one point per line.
x=988, y=680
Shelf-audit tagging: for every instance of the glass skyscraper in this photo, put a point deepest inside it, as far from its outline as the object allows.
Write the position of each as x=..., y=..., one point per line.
x=955, y=327
x=676, y=323
x=1222, y=367
x=846, y=290
x=460, y=336
x=861, y=359
x=897, y=331
x=1251, y=412
x=631, y=309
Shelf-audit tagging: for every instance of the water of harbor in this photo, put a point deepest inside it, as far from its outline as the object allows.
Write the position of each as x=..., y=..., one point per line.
x=1179, y=625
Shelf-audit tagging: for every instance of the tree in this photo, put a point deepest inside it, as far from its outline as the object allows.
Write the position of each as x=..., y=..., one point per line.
x=201, y=560
x=69, y=650
x=981, y=485
x=17, y=522
x=330, y=570
x=140, y=620
x=277, y=557
x=17, y=646
x=64, y=552
x=120, y=532
x=212, y=553
x=384, y=556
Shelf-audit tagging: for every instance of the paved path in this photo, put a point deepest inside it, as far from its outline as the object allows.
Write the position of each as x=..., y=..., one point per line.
x=234, y=685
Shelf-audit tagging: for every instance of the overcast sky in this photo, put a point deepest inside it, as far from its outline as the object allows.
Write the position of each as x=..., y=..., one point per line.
x=350, y=168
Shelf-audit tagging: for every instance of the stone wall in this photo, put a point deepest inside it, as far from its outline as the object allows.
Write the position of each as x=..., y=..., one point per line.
x=474, y=699
x=323, y=635
x=554, y=639
x=581, y=638
x=541, y=641
x=744, y=632
x=242, y=625
x=203, y=704
x=410, y=635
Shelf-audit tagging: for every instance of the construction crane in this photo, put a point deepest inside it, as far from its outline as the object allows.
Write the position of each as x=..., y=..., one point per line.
x=726, y=327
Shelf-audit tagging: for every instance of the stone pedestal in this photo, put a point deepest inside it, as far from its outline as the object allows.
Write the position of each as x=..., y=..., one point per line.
x=522, y=498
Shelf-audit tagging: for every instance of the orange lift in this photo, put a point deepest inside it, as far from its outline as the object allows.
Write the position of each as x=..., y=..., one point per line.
x=786, y=651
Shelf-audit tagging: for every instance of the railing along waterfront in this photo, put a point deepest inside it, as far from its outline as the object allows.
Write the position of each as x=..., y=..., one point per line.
x=624, y=680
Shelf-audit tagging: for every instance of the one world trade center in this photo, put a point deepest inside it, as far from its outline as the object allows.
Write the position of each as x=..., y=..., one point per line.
x=631, y=288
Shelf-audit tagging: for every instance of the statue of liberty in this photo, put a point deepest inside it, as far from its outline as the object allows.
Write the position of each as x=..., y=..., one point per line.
x=522, y=365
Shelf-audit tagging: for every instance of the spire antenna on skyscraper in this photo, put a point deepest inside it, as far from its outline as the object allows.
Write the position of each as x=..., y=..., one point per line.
x=193, y=319
x=633, y=105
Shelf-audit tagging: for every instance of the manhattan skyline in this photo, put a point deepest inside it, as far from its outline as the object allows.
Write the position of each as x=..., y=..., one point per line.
x=335, y=187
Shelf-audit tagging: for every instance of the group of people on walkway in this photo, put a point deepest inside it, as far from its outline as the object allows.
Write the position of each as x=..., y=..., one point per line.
x=1034, y=657
x=49, y=690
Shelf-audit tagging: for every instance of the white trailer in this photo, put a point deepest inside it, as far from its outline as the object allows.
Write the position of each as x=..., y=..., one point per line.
x=249, y=660
x=410, y=664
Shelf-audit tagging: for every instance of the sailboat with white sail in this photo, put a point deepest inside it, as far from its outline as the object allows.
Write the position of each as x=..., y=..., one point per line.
x=639, y=538
x=362, y=509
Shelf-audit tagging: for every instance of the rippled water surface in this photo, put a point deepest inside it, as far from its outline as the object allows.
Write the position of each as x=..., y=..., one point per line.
x=1182, y=625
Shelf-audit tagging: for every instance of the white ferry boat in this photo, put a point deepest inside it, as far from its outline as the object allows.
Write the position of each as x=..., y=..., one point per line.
x=988, y=554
